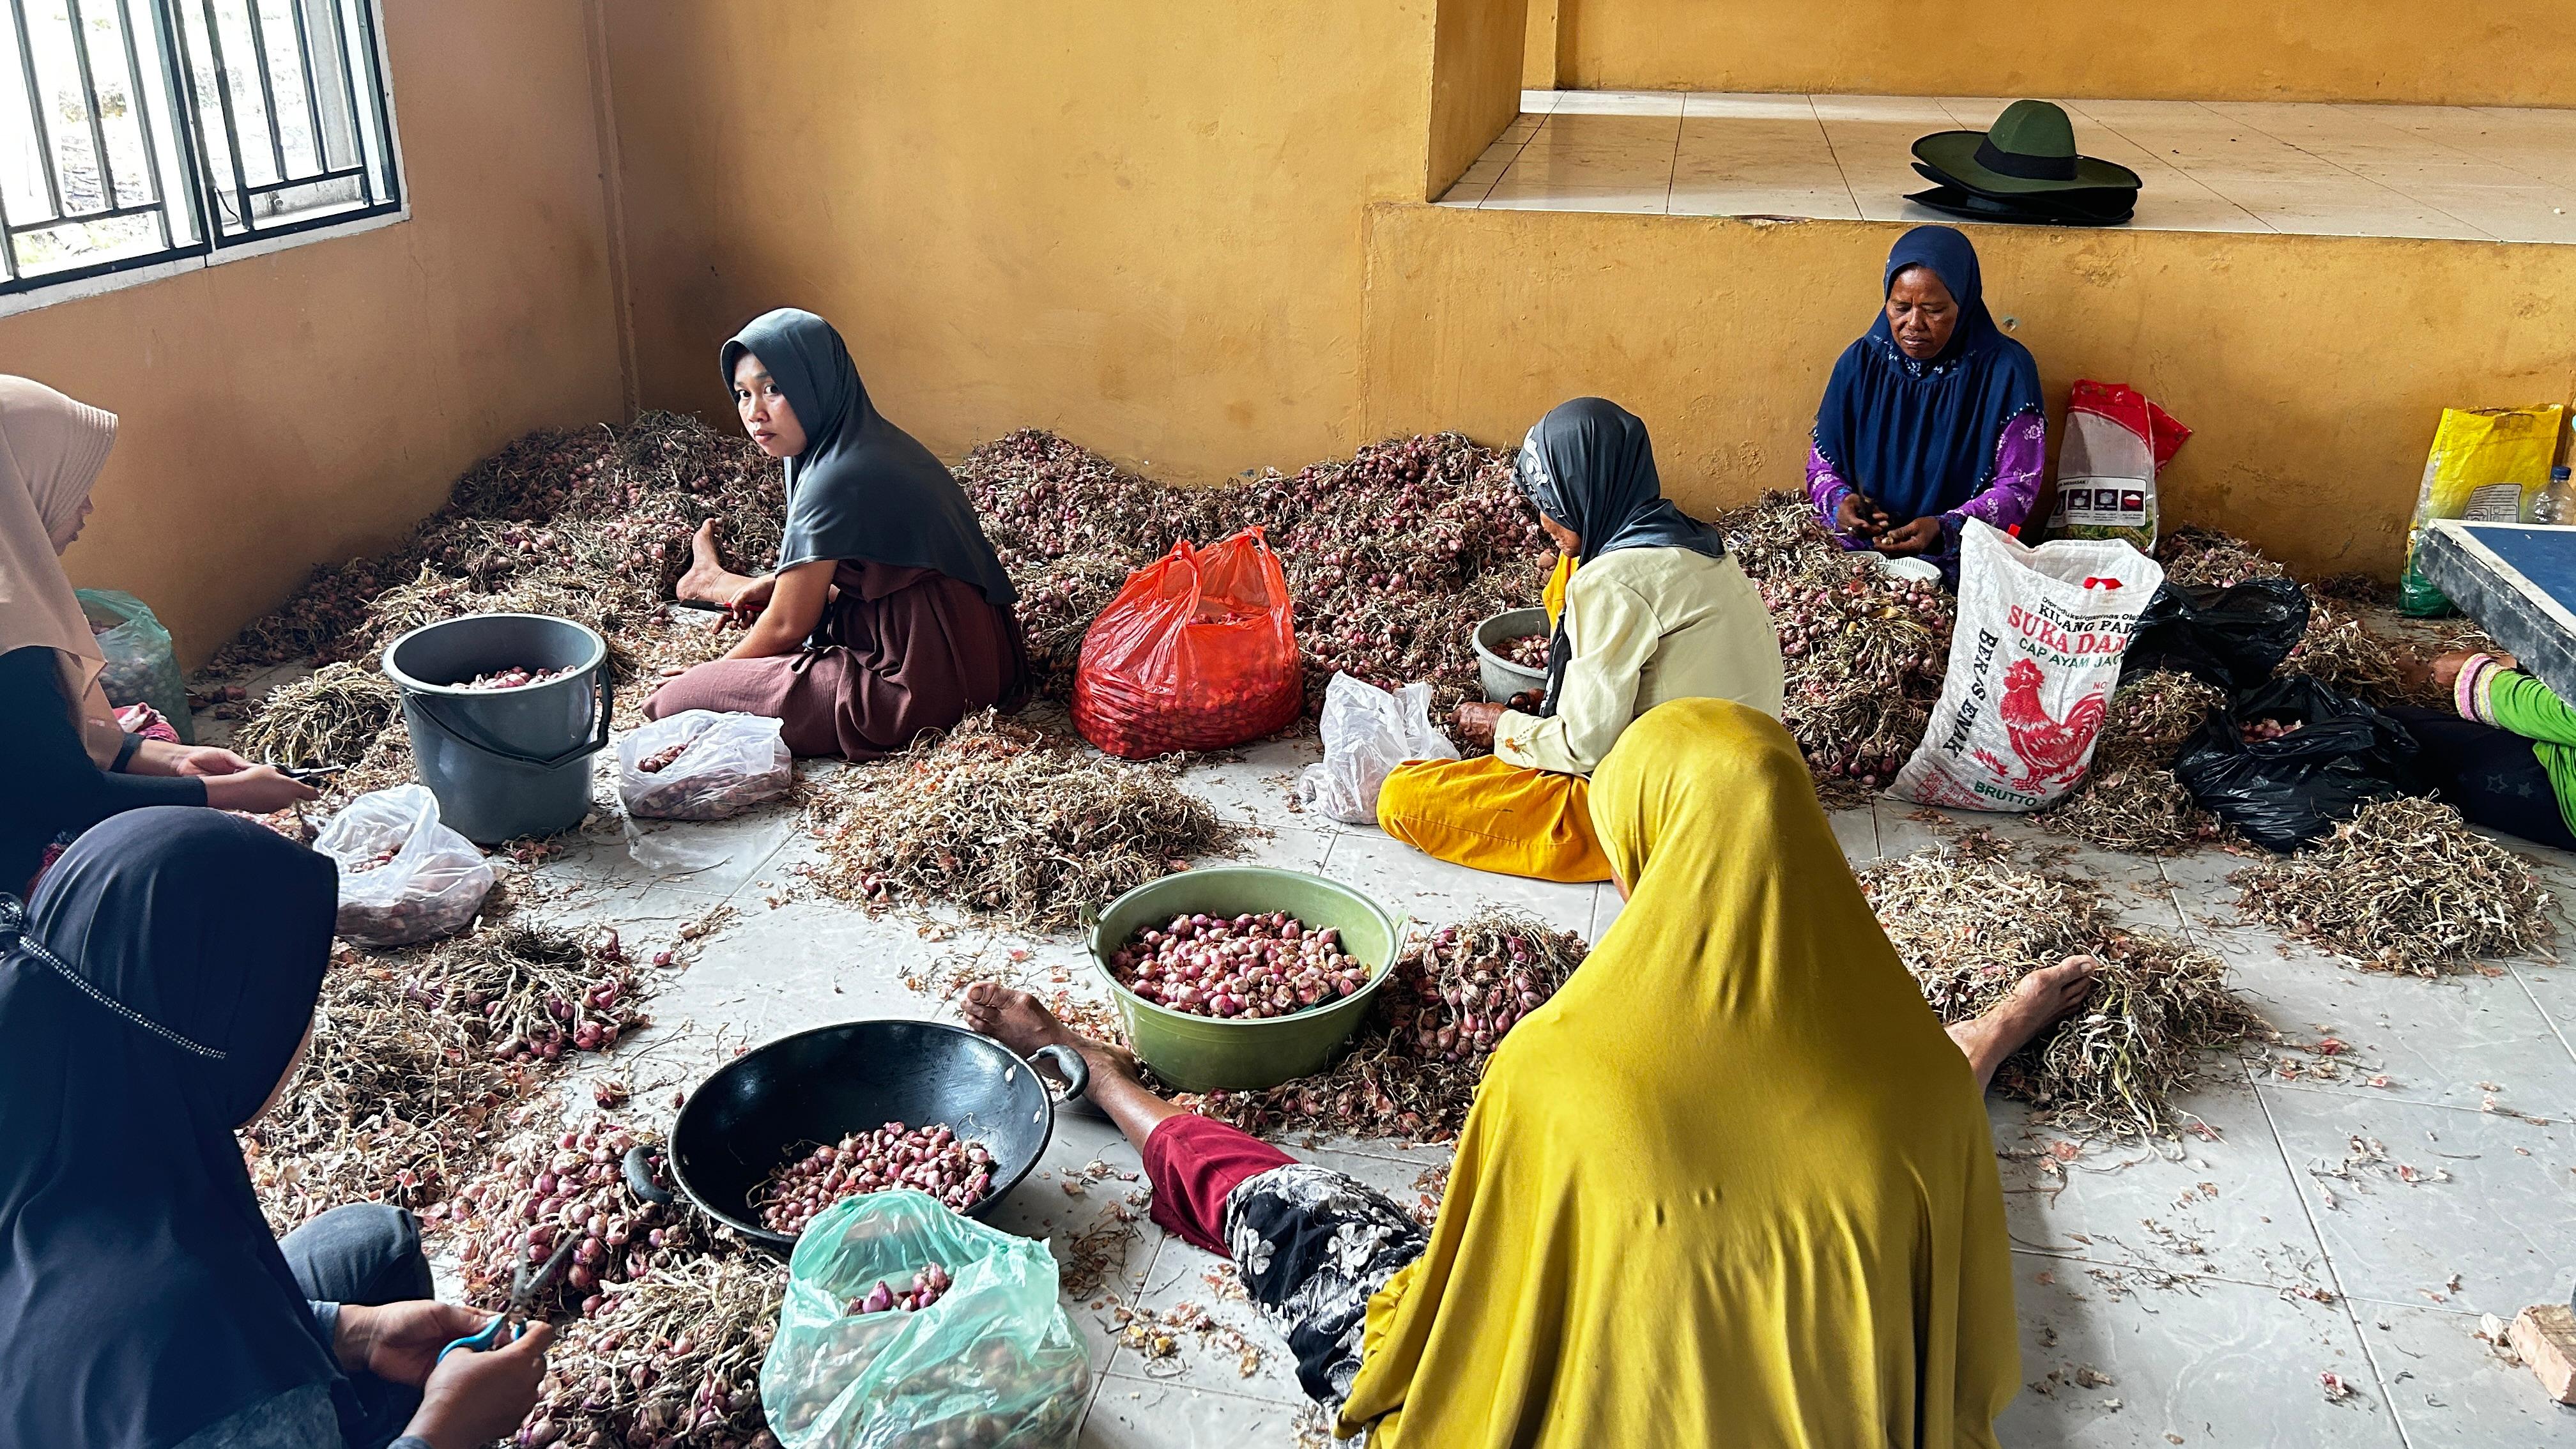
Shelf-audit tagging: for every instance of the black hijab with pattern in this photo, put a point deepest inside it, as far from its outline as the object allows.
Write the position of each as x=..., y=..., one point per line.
x=150, y=998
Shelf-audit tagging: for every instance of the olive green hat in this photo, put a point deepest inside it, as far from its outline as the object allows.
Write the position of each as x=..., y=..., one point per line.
x=2031, y=149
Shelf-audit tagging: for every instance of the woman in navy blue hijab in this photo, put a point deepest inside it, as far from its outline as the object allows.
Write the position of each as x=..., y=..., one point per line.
x=1931, y=419
x=155, y=997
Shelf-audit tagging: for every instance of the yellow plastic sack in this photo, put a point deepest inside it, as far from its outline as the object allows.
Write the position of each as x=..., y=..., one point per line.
x=2489, y=465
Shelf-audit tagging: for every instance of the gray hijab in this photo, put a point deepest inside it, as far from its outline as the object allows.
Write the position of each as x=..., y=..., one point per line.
x=1589, y=466
x=863, y=489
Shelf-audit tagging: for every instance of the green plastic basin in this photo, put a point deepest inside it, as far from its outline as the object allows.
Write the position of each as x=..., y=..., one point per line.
x=1206, y=1053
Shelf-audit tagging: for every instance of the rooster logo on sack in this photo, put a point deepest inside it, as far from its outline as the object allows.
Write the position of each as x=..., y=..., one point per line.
x=2053, y=752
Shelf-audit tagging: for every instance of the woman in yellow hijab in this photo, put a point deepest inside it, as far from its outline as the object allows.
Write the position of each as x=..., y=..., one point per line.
x=1731, y=1186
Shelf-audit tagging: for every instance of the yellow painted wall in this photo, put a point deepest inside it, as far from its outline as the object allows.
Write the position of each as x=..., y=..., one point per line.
x=1476, y=64
x=1138, y=223
x=2312, y=368
x=313, y=404
x=1538, y=46
x=2480, y=52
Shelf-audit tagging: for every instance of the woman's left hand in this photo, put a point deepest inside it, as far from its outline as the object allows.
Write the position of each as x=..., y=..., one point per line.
x=399, y=1342
x=208, y=760
x=1906, y=538
x=1475, y=720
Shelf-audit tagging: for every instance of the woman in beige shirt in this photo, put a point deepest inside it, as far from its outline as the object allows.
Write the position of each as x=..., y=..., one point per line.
x=1652, y=610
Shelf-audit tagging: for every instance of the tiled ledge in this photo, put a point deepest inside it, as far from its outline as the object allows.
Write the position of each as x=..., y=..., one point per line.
x=2461, y=172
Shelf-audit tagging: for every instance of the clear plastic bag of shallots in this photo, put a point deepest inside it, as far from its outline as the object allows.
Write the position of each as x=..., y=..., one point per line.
x=993, y=1362
x=703, y=765
x=404, y=876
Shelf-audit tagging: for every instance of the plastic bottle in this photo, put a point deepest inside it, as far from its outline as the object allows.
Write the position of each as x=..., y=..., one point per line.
x=2557, y=503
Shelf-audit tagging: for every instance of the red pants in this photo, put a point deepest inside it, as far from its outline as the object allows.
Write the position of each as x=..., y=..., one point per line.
x=1195, y=1164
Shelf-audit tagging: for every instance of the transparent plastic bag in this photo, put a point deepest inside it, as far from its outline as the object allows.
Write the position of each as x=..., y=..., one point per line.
x=994, y=1364
x=2117, y=441
x=1367, y=733
x=142, y=664
x=726, y=764
x=404, y=877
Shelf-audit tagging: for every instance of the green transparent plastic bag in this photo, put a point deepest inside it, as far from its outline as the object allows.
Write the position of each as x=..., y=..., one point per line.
x=142, y=664
x=994, y=1364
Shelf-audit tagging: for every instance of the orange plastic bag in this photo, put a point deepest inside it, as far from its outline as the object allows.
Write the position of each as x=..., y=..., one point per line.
x=1196, y=653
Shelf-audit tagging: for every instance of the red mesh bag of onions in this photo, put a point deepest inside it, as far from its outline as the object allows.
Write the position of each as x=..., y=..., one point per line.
x=1196, y=652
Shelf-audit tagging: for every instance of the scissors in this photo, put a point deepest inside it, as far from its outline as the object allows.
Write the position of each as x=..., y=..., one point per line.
x=526, y=1286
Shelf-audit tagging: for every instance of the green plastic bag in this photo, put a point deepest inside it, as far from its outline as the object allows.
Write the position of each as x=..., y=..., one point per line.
x=142, y=667
x=994, y=1364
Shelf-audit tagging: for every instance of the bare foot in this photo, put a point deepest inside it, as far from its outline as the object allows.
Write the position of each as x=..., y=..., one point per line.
x=708, y=581
x=1021, y=1022
x=2038, y=1001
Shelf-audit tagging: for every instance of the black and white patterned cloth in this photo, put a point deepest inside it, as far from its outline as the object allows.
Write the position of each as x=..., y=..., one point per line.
x=1312, y=1246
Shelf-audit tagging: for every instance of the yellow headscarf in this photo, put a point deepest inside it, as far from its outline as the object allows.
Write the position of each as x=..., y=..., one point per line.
x=51, y=449
x=1732, y=1185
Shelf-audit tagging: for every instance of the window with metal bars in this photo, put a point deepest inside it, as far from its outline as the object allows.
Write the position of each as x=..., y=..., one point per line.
x=136, y=133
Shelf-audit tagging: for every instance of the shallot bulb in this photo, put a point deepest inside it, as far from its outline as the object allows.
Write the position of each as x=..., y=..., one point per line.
x=928, y=1286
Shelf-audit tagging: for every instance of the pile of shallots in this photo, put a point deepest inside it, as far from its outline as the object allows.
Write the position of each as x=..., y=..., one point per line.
x=517, y=676
x=1244, y=966
x=660, y=760
x=543, y=1190
x=1412, y=1071
x=927, y=1286
x=1482, y=981
x=1529, y=651
x=671, y=1362
x=539, y=992
x=930, y=1159
x=1393, y=554
x=1865, y=652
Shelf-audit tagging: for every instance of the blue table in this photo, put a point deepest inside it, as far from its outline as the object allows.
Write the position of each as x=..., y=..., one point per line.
x=2518, y=581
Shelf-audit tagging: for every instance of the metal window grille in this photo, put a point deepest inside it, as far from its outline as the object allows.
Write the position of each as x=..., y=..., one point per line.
x=134, y=132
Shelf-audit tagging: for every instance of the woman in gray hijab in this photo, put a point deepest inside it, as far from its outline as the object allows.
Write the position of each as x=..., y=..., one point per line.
x=889, y=613
x=1647, y=607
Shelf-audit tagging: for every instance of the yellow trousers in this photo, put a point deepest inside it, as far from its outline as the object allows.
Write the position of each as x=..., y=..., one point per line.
x=1489, y=815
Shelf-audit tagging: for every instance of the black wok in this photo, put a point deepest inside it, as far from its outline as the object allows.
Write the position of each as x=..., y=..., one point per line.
x=818, y=1086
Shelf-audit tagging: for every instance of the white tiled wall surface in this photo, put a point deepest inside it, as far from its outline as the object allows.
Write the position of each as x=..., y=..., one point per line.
x=2463, y=172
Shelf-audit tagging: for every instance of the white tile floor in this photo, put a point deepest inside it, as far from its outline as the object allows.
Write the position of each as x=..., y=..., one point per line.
x=2474, y=173
x=2190, y=1297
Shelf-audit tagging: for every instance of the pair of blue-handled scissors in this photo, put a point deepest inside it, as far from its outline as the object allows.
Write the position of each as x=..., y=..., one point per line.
x=526, y=1286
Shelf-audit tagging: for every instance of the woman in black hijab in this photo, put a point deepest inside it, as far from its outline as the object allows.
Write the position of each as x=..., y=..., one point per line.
x=157, y=997
x=1646, y=607
x=889, y=613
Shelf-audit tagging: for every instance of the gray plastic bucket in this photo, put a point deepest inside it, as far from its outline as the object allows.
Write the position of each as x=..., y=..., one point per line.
x=504, y=762
x=1501, y=677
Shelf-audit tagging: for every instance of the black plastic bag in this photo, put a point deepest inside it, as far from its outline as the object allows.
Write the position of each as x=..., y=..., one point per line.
x=2233, y=637
x=2282, y=793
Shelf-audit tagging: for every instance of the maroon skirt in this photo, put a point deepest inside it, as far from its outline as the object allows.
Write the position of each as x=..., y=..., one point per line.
x=900, y=651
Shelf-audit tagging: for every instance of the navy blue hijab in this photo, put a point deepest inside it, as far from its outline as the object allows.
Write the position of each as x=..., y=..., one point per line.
x=1919, y=438
x=149, y=1000
x=1590, y=468
x=863, y=488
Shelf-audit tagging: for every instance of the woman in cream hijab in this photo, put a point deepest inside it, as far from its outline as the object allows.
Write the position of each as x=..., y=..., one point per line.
x=73, y=766
x=1730, y=1186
